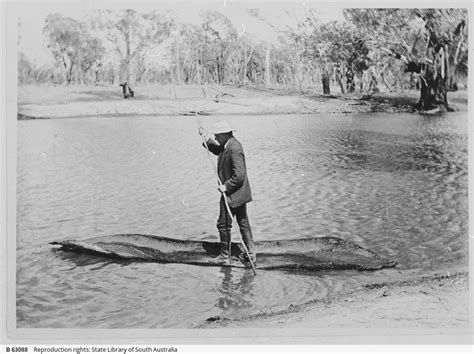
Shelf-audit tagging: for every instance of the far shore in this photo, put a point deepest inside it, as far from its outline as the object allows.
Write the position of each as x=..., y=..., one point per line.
x=62, y=101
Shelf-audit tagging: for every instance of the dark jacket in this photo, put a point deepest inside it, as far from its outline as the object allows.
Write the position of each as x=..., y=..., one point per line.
x=232, y=171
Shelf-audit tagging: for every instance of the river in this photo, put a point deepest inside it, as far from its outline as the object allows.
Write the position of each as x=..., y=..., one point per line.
x=394, y=183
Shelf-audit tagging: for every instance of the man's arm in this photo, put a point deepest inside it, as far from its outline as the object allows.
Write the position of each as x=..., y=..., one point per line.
x=212, y=145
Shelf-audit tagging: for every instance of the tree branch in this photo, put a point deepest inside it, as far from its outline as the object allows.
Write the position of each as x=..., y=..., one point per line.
x=458, y=47
x=417, y=38
x=396, y=55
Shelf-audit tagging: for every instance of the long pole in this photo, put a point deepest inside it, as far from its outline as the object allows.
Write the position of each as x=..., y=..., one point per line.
x=226, y=203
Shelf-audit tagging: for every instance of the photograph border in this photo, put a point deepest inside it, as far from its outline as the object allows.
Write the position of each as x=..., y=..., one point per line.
x=229, y=336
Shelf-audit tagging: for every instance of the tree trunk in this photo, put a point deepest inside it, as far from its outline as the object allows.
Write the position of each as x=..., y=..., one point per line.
x=245, y=64
x=198, y=70
x=126, y=61
x=299, y=74
x=267, y=64
x=326, y=84
x=341, y=85
x=350, y=84
x=220, y=66
x=247, y=60
x=178, y=65
x=68, y=66
x=124, y=74
x=412, y=82
x=433, y=91
x=434, y=77
x=339, y=71
x=373, y=85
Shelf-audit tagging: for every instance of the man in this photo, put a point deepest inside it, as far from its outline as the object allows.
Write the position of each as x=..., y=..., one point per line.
x=127, y=91
x=235, y=187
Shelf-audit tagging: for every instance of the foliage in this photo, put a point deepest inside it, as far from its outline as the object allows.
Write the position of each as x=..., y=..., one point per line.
x=131, y=34
x=72, y=44
x=24, y=69
x=431, y=42
x=371, y=49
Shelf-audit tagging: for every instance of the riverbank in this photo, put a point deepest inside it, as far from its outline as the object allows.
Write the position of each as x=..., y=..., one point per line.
x=47, y=101
x=439, y=301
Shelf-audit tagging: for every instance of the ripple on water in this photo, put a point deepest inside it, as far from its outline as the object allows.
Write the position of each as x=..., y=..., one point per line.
x=396, y=184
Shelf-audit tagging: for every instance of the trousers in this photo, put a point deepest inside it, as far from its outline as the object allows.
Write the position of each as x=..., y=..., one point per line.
x=224, y=225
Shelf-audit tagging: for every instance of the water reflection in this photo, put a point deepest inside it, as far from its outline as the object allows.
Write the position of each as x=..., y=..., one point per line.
x=80, y=260
x=236, y=290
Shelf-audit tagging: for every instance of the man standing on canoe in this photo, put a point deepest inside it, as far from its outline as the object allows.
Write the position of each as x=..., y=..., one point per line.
x=235, y=187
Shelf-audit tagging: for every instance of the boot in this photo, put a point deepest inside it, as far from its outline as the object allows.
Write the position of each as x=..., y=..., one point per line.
x=223, y=256
x=247, y=237
x=245, y=260
x=220, y=260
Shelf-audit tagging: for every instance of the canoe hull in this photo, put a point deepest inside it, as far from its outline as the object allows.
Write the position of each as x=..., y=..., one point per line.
x=316, y=253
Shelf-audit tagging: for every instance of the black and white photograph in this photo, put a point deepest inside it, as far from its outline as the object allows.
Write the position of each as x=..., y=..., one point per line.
x=237, y=171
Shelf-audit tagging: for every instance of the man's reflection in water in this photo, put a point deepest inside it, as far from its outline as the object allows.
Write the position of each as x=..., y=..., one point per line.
x=236, y=290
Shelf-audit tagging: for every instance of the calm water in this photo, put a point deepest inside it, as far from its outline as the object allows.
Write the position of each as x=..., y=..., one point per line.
x=396, y=184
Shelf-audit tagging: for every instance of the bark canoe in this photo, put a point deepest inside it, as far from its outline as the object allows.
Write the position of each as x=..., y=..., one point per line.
x=314, y=254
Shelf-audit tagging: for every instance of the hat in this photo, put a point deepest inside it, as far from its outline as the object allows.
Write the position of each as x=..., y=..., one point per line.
x=221, y=127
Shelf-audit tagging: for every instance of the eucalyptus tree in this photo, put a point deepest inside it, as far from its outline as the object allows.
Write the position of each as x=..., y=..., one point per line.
x=445, y=54
x=317, y=47
x=432, y=43
x=328, y=49
x=220, y=38
x=283, y=72
x=25, y=69
x=187, y=52
x=72, y=44
x=268, y=33
x=131, y=35
x=297, y=58
x=89, y=58
x=202, y=53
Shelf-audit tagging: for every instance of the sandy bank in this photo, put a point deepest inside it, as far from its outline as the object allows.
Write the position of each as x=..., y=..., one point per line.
x=45, y=101
x=436, y=301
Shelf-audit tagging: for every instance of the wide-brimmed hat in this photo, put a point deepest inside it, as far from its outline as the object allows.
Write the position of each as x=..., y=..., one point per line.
x=221, y=127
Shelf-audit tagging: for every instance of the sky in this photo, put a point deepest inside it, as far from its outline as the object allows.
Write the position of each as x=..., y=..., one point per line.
x=31, y=17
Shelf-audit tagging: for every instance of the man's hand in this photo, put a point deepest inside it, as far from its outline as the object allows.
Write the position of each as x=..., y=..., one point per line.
x=201, y=131
x=222, y=188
